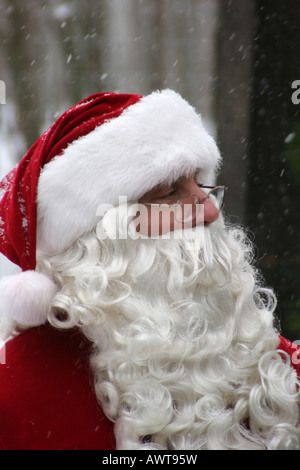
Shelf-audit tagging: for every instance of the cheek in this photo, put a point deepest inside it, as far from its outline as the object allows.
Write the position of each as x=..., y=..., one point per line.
x=189, y=215
x=154, y=221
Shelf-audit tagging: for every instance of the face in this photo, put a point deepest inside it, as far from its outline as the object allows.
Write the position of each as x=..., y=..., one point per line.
x=162, y=200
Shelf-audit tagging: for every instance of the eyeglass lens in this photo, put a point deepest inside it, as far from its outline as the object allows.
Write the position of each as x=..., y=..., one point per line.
x=216, y=196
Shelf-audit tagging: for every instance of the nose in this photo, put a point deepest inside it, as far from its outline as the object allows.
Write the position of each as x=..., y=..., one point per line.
x=211, y=213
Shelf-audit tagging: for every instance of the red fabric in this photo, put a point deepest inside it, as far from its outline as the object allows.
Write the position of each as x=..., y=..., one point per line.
x=18, y=204
x=47, y=401
x=293, y=351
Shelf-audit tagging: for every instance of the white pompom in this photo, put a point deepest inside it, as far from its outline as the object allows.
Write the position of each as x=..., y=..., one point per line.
x=25, y=297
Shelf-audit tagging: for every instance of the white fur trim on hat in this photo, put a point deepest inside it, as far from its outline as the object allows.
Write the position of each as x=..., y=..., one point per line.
x=157, y=139
x=25, y=297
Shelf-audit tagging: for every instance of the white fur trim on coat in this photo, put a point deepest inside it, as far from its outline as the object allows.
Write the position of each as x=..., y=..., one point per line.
x=155, y=140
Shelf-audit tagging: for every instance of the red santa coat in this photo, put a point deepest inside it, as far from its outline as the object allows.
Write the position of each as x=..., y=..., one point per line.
x=47, y=401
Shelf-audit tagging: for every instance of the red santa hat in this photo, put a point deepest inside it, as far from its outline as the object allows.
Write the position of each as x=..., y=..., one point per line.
x=106, y=146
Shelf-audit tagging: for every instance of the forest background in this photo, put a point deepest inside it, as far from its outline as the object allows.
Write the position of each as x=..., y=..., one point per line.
x=236, y=61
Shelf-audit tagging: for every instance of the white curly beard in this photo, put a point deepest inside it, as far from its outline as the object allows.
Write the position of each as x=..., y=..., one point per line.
x=185, y=347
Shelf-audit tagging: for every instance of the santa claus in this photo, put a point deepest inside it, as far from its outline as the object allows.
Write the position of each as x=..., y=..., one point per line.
x=139, y=320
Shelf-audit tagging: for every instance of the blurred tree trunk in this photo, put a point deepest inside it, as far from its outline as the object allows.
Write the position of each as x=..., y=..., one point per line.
x=162, y=44
x=274, y=172
x=21, y=54
x=55, y=53
x=233, y=90
x=51, y=57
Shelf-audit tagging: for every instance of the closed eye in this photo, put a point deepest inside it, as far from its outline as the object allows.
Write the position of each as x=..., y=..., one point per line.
x=167, y=195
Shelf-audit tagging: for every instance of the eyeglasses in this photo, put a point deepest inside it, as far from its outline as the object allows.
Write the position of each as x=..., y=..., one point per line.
x=216, y=195
x=188, y=208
